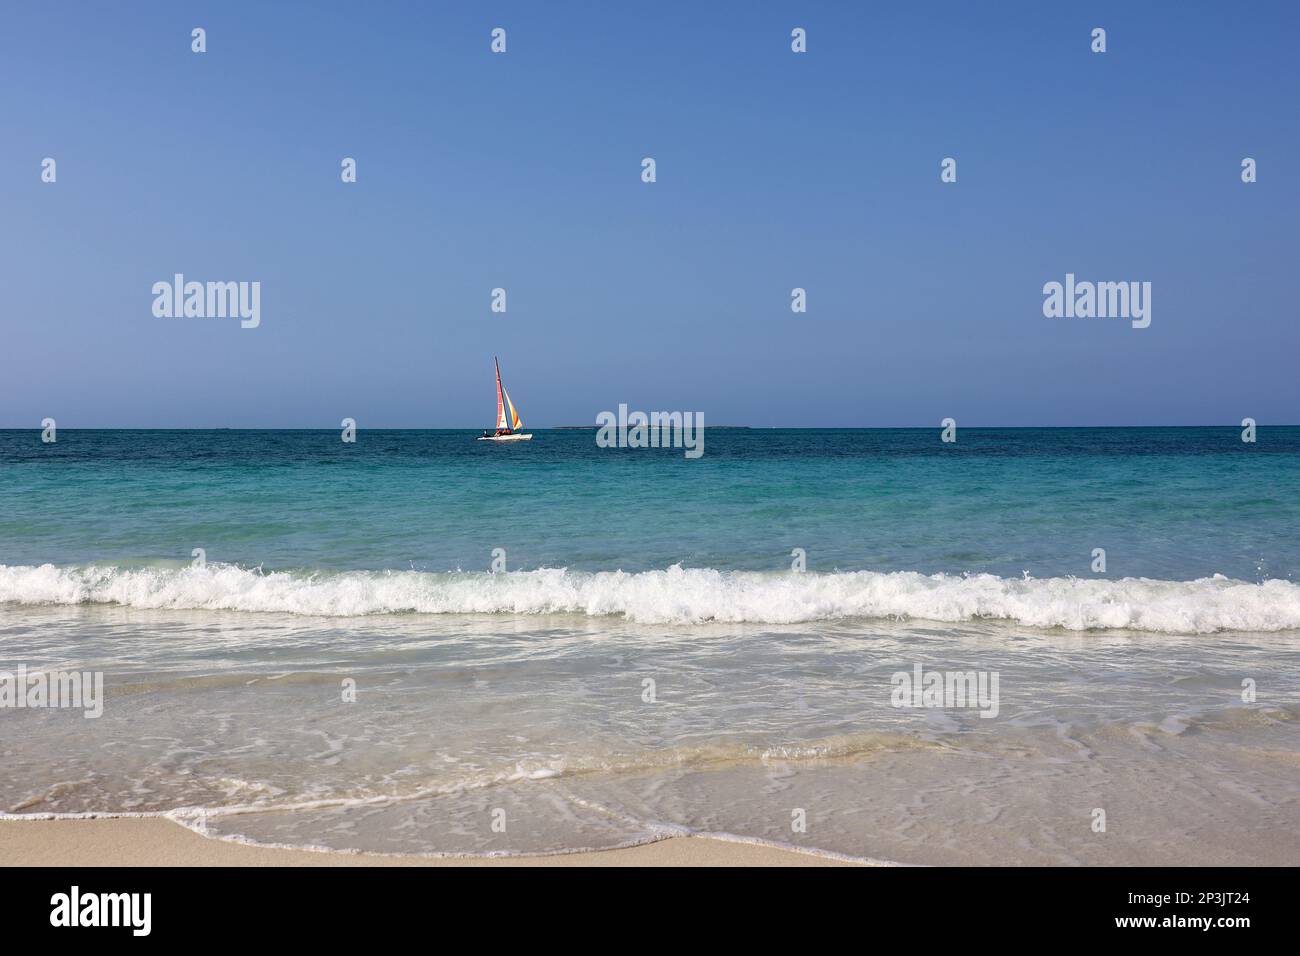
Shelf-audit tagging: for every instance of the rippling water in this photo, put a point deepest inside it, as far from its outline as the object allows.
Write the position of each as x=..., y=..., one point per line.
x=648, y=663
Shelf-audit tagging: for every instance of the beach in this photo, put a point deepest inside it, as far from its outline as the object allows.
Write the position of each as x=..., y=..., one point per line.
x=137, y=842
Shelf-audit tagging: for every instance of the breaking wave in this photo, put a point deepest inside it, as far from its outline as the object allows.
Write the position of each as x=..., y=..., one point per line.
x=679, y=595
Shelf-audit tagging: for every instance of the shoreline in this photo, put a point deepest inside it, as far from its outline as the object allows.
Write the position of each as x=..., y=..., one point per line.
x=157, y=841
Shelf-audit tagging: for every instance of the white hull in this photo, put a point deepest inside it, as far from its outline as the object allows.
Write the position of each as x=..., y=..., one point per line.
x=526, y=437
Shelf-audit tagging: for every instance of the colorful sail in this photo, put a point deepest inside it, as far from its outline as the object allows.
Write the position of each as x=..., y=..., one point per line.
x=501, y=408
x=515, y=421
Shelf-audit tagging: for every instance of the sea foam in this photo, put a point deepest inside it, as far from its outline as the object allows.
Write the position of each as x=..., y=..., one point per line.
x=679, y=595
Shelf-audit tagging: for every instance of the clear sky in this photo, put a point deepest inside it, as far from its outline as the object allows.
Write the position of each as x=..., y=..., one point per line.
x=523, y=171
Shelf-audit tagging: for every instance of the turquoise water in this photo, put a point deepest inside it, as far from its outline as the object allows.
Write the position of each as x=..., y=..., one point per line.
x=1171, y=503
x=343, y=670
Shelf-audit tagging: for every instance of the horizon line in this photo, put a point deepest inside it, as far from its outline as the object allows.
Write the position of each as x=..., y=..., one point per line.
x=459, y=428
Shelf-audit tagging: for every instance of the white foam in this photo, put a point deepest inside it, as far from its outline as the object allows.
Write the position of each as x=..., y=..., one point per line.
x=681, y=595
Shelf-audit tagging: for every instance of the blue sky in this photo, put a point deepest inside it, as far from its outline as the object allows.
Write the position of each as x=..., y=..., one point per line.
x=522, y=171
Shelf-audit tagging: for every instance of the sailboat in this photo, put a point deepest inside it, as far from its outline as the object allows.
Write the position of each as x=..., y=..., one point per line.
x=508, y=429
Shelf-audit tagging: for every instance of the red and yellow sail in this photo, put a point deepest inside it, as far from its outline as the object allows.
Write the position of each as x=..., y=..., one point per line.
x=515, y=421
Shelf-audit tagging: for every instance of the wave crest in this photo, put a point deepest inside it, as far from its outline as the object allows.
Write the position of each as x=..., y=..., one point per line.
x=679, y=595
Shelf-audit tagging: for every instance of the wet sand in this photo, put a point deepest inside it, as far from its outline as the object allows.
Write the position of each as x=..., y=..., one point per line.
x=158, y=842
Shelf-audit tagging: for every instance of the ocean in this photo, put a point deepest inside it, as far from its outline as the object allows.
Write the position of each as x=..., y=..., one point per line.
x=419, y=643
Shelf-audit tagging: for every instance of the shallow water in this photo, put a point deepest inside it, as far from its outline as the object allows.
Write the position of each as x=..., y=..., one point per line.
x=547, y=719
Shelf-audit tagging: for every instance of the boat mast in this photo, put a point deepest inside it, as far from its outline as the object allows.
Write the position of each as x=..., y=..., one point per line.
x=501, y=407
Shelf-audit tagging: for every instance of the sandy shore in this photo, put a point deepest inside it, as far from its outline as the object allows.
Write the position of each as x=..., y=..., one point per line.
x=158, y=842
